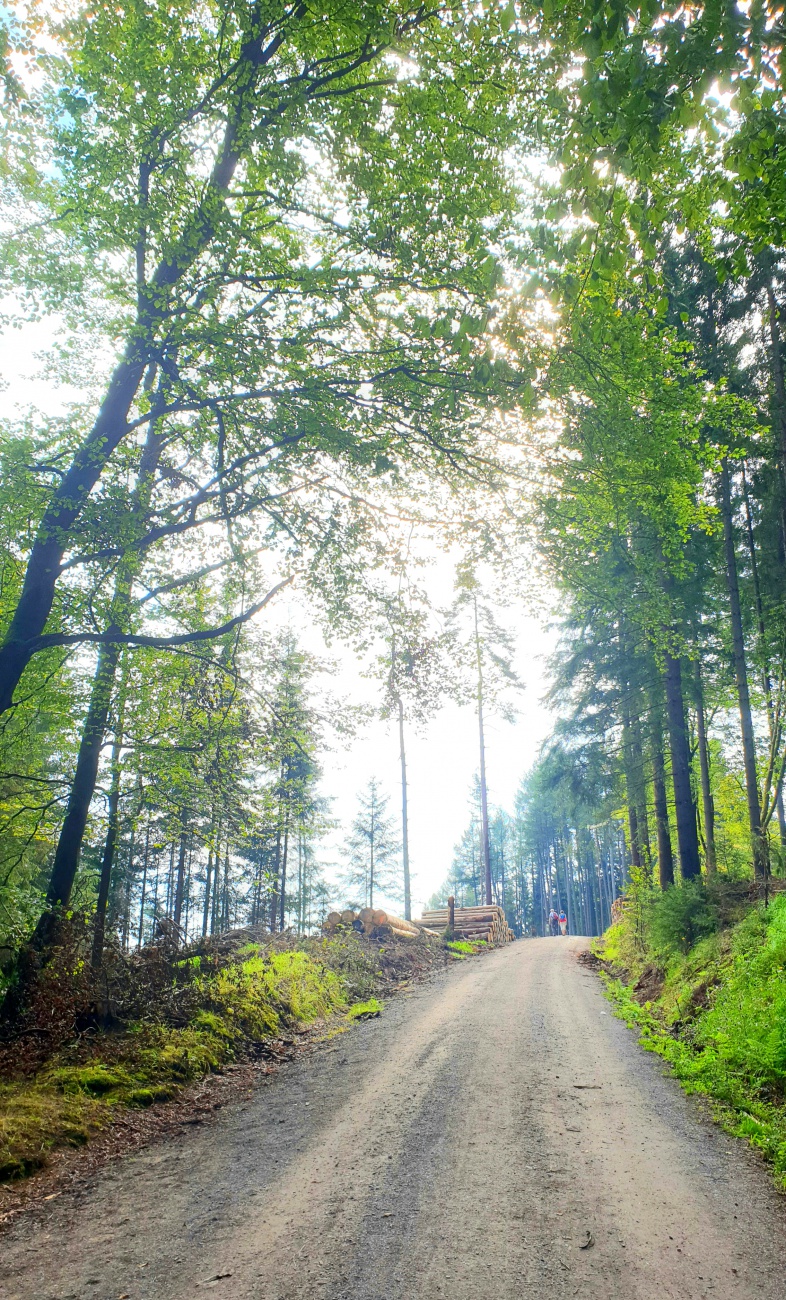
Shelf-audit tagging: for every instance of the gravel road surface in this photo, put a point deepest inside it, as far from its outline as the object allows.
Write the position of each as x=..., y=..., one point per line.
x=467, y=1145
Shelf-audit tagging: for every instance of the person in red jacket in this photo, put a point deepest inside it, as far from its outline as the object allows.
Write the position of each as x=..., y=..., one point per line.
x=563, y=923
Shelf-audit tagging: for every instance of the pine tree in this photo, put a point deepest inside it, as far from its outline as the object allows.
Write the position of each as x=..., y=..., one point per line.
x=374, y=849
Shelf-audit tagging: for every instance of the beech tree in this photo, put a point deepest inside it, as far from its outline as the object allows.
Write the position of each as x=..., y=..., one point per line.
x=295, y=219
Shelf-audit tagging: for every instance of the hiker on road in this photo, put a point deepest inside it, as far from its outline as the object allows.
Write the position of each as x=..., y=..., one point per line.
x=553, y=922
x=563, y=923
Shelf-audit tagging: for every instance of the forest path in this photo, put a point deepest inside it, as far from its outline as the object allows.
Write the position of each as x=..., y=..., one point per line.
x=461, y=1146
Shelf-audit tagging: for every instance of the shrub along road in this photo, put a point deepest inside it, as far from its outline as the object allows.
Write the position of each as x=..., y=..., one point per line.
x=496, y=1134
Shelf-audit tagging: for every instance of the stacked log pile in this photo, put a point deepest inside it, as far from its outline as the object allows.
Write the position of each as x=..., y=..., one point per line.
x=371, y=921
x=487, y=923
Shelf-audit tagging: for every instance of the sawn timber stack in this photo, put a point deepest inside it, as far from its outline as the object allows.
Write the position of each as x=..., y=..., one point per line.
x=487, y=923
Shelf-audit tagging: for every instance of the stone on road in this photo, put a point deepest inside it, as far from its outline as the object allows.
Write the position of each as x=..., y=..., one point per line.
x=496, y=1134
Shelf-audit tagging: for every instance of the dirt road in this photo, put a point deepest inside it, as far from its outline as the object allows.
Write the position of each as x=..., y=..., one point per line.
x=463, y=1146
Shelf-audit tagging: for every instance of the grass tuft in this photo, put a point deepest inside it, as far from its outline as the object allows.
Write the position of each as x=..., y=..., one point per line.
x=367, y=1010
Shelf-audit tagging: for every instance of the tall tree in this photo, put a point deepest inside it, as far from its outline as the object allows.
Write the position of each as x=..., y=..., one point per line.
x=483, y=652
x=373, y=847
x=255, y=285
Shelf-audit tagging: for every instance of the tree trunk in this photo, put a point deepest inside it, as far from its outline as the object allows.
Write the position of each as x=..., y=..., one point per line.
x=110, y=843
x=111, y=425
x=156, y=891
x=779, y=384
x=214, y=911
x=591, y=904
x=640, y=786
x=300, y=884
x=276, y=872
x=208, y=879
x=764, y=657
x=215, y=834
x=181, y=876
x=684, y=807
x=43, y=567
x=631, y=782
x=404, y=812
x=707, y=802
x=663, y=830
x=581, y=877
x=609, y=838
x=81, y=794
x=605, y=892
x=555, y=861
x=187, y=892
x=282, y=915
x=758, y=840
x=69, y=843
x=633, y=833
x=225, y=892
x=484, y=806
x=541, y=896
x=144, y=887
x=129, y=886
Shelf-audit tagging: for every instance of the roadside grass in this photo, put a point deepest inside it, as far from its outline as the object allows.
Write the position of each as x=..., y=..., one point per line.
x=247, y=1002
x=719, y=1020
x=462, y=948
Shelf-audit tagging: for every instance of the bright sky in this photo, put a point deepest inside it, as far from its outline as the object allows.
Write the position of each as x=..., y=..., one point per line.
x=442, y=758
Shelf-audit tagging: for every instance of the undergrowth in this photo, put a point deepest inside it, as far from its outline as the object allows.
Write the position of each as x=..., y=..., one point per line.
x=238, y=1007
x=716, y=1012
x=160, y=1019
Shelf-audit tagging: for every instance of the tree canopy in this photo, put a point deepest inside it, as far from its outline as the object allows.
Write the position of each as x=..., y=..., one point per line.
x=341, y=290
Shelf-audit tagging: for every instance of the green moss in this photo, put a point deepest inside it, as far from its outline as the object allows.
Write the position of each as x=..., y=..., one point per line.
x=148, y=1096
x=191, y=963
x=365, y=1010
x=246, y=1002
x=461, y=948
x=34, y=1118
x=95, y=1079
x=260, y=995
x=211, y=1024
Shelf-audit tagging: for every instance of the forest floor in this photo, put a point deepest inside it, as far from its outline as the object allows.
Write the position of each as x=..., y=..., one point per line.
x=497, y=1132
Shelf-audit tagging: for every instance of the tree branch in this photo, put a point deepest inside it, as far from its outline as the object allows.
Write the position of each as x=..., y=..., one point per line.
x=112, y=637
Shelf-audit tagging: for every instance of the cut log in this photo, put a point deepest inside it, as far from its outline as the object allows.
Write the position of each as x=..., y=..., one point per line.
x=388, y=918
x=485, y=909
